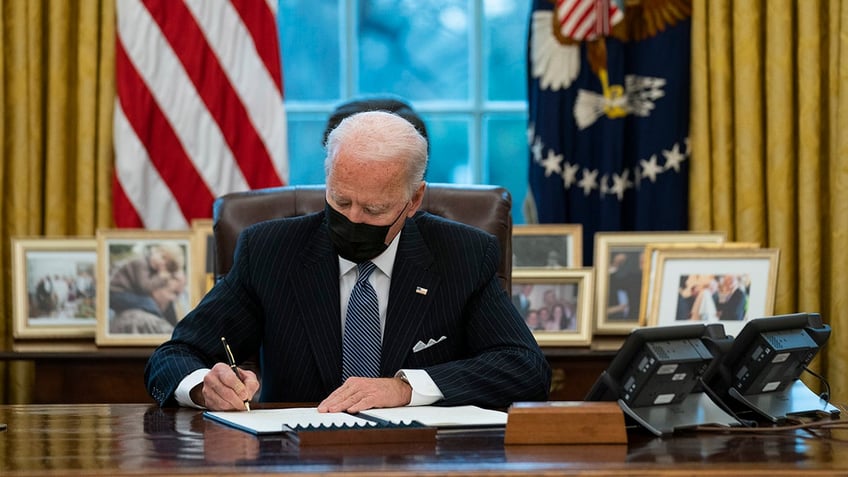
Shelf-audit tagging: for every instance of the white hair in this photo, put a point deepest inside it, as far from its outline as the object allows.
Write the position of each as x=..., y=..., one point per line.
x=380, y=136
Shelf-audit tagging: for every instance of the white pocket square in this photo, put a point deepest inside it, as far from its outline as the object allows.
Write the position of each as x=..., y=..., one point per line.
x=421, y=345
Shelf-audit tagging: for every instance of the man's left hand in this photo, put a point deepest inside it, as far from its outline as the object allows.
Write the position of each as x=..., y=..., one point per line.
x=358, y=394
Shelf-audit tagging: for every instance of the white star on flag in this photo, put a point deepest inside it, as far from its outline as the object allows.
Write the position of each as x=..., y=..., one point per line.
x=620, y=183
x=650, y=168
x=673, y=158
x=569, y=174
x=552, y=163
x=537, y=150
x=589, y=181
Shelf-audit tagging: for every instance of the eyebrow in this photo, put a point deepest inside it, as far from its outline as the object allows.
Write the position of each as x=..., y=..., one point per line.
x=371, y=207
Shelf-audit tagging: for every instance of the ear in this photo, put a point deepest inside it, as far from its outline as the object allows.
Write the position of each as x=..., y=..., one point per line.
x=417, y=199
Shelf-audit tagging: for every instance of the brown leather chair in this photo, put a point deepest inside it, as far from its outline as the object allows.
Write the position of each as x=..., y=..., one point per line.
x=483, y=206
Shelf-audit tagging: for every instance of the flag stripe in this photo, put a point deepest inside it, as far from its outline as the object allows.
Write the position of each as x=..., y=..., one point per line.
x=165, y=153
x=140, y=184
x=261, y=25
x=200, y=96
x=572, y=14
x=123, y=210
x=584, y=25
x=168, y=82
x=201, y=65
x=586, y=19
x=250, y=78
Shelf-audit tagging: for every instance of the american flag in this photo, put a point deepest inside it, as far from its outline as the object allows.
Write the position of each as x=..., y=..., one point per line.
x=199, y=109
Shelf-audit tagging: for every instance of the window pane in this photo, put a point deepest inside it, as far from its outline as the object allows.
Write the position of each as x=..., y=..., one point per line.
x=448, y=149
x=306, y=153
x=418, y=50
x=421, y=51
x=505, y=40
x=506, y=149
x=309, y=43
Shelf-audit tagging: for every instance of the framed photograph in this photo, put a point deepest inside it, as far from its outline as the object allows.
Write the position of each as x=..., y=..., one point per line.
x=649, y=269
x=555, y=304
x=713, y=285
x=619, y=260
x=143, y=278
x=203, y=249
x=53, y=287
x=547, y=246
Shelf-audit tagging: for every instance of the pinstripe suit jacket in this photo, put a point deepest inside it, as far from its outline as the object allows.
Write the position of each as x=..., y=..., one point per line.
x=281, y=300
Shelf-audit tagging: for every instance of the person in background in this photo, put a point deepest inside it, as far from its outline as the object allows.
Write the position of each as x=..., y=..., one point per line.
x=563, y=315
x=143, y=291
x=730, y=301
x=532, y=320
x=625, y=286
x=450, y=334
x=704, y=308
x=521, y=299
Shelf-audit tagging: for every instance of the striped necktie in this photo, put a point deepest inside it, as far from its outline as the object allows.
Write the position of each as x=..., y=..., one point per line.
x=361, y=340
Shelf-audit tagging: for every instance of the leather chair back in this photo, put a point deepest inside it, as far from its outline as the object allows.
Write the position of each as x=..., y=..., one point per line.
x=483, y=206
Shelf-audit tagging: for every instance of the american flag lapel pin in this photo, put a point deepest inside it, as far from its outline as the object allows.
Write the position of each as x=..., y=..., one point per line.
x=421, y=290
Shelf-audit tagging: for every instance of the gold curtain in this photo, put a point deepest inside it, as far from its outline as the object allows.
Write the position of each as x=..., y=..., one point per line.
x=56, y=97
x=769, y=148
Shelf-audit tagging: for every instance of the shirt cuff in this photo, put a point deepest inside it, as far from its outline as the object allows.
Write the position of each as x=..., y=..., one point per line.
x=183, y=392
x=424, y=389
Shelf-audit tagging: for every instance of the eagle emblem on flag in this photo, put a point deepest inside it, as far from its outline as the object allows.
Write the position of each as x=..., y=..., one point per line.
x=556, y=57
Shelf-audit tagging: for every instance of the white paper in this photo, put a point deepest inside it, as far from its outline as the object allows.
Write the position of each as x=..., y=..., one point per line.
x=268, y=421
x=437, y=416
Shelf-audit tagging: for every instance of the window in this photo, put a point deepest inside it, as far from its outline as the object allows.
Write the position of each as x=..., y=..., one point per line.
x=460, y=63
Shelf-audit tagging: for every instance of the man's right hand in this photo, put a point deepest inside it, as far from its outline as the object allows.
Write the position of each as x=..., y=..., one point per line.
x=222, y=390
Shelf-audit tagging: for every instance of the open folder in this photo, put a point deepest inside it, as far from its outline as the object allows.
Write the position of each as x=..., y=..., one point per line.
x=275, y=421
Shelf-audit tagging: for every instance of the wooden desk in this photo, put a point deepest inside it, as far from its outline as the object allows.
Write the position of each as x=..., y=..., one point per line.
x=140, y=439
x=116, y=375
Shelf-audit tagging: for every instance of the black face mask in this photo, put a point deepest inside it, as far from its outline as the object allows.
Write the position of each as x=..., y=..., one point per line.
x=357, y=242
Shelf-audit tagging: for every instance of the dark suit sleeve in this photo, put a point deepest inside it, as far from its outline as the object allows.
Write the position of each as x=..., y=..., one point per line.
x=505, y=363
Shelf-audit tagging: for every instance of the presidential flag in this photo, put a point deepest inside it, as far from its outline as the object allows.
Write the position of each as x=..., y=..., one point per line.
x=608, y=130
x=199, y=109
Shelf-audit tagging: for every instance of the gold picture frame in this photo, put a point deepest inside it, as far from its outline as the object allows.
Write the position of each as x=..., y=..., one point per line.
x=54, y=290
x=567, y=290
x=144, y=282
x=649, y=269
x=547, y=246
x=617, y=307
x=203, y=246
x=689, y=286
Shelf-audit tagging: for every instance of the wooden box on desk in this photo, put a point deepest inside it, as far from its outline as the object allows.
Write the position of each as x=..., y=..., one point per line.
x=565, y=422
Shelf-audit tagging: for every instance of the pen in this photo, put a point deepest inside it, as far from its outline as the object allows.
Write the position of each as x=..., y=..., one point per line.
x=232, y=360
